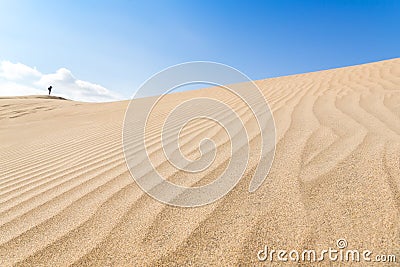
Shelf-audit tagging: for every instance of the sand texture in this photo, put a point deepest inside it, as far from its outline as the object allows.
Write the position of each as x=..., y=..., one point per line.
x=67, y=197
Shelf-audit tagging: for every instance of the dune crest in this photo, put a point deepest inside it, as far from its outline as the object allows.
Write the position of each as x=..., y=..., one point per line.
x=66, y=196
x=32, y=97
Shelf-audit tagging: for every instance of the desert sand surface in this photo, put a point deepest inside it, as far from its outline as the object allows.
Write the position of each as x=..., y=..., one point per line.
x=67, y=197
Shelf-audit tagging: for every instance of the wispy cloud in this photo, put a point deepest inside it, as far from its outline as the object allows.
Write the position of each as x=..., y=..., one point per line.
x=19, y=79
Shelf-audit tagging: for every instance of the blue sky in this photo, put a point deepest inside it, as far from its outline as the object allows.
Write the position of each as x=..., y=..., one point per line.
x=112, y=47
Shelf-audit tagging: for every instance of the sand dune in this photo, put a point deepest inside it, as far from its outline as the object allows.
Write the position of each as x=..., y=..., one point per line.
x=67, y=198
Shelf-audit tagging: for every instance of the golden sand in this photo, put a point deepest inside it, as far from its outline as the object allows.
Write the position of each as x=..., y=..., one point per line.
x=66, y=196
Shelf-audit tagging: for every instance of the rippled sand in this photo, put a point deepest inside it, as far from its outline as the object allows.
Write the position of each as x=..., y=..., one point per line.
x=66, y=195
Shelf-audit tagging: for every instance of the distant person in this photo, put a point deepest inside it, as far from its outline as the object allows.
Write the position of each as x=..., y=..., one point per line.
x=51, y=87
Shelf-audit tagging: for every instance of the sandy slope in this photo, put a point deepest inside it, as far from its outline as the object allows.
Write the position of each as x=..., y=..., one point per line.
x=66, y=196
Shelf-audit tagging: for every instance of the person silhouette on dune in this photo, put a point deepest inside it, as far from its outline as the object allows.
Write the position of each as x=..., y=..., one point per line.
x=51, y=87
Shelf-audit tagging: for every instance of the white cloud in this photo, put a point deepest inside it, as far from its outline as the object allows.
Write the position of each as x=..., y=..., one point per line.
x=17, y=71
x=18, y=79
